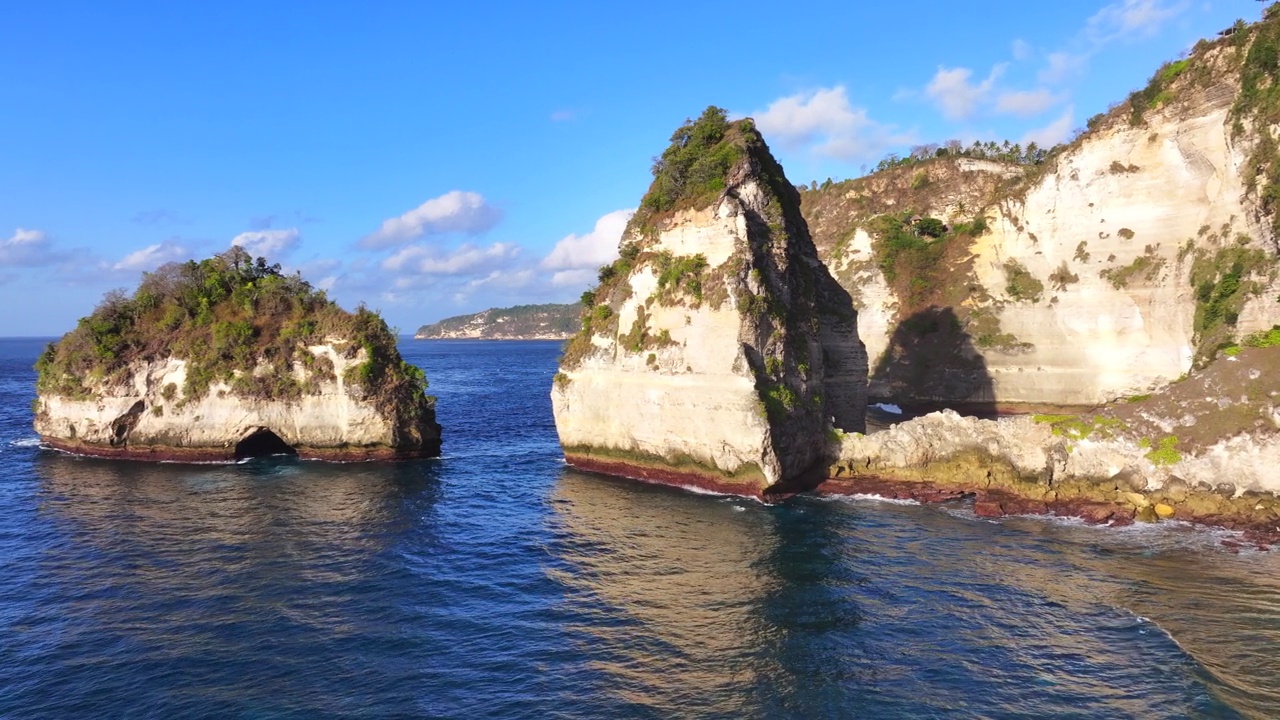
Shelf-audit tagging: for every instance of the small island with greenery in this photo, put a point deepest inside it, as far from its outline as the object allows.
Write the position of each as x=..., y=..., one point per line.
x=229, y=357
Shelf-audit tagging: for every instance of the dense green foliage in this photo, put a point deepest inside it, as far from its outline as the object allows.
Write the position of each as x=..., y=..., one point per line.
x=1223, y=282
x=679, y=274
x=692, y=169
x=1006, y=152
x=233, y=320
x=1157, y=91
x=1020, y=284
x=1264, y=338
x=1259, y=105
x=910, y=250
x=1165, y=451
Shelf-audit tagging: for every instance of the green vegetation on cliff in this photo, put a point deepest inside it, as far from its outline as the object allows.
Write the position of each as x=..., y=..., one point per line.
x=233, y=320
x=691, y=171
x=782, y=300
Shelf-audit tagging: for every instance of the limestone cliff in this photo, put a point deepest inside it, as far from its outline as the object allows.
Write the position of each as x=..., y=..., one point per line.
x=224, y=359
x=1102, y=270
x=717, y=349
x=522, y=322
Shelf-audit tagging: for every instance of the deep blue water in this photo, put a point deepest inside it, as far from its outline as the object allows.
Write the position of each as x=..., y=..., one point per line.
x=494, y=582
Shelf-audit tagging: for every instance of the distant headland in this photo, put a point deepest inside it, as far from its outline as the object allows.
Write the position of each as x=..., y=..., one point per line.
x=522, y=322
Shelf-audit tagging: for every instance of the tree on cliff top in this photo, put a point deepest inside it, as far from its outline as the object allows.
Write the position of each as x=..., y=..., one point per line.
x=693, y=166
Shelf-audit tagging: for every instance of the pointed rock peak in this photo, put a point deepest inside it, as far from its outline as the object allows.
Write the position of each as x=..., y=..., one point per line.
x=707, y=157
x=717, y=349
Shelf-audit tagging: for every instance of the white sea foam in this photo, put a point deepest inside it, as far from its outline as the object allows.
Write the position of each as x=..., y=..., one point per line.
x=868, y=497
x=889, y=408
x=26, y=442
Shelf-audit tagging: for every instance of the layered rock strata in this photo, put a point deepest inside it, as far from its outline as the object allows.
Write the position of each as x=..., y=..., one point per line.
x=1105, y=270
x=717, y=351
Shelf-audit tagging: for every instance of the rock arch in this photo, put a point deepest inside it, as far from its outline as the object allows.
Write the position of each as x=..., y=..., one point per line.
x=262, y=442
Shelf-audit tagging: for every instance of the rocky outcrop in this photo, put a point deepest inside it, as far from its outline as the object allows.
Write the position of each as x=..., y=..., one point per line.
x=149, y=418
x=522, y=322
x=1106, y=270
x=1204, y=449
x=718, y=350
x=222, y=359
x=1027, y=466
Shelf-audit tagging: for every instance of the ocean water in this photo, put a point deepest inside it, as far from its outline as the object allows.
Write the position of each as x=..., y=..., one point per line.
x=495, y=582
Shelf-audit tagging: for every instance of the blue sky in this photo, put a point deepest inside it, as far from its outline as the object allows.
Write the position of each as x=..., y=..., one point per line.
x=431, y=159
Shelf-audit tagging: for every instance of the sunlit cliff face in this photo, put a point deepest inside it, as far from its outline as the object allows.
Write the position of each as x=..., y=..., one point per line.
x=1083, y=286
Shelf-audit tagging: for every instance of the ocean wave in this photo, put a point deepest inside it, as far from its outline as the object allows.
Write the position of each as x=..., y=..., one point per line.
x=868, y=497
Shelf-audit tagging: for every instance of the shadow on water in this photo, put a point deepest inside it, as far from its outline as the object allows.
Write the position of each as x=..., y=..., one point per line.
x=930, y=363
x=323, y=500
x=706, y=605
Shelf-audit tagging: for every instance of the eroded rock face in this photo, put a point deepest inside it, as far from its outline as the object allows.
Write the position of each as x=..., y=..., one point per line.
x=149, y=418
x=1083, y=286
x=228, y=357
x=1037, y=465
x=718, y=348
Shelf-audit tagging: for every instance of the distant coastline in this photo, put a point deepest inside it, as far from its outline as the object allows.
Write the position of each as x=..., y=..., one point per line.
x=522, y=322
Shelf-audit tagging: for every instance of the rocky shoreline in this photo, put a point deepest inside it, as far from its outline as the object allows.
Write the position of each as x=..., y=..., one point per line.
x=1083, y=466
x=1255, y=515
x=173, y=454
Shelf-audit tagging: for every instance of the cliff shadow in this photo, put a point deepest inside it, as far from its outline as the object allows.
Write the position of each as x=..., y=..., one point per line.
x=932, y=363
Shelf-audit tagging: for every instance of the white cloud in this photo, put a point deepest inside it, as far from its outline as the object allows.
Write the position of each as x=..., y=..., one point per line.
x=1062, y=66
x=1121, y=20
x=1055, y=132
x=958, y=99
x=825, y=120
x=152, y=256
x=322, y=273
x=1130, y=18
x=455, y=211
x=1025, y=103
x=27, y=248
x=465, y=259
x=596, y=248
x=1021, y=50
x=582, y=278
x=268, y=243
x=500, y=280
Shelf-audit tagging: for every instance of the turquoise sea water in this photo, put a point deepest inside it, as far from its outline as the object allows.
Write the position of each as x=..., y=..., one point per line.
x=495, y=582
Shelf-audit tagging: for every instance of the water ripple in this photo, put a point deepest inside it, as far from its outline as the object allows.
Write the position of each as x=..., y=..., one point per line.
x=497, y=582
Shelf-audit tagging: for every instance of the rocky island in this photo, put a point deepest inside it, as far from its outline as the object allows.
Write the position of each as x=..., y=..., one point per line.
x=229, y=358
x=717, y=351
x=549, y=321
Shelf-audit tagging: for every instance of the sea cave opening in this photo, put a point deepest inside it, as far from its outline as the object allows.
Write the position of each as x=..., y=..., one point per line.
x=262, y=442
